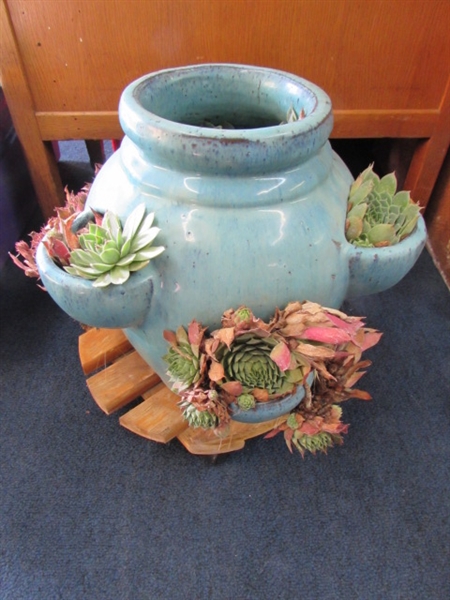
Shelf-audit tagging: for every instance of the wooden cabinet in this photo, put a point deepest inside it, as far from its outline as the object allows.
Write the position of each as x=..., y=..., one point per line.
x=438, y=222
x=385, y=64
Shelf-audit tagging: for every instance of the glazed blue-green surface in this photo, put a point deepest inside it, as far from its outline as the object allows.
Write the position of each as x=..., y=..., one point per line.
x=253, y=215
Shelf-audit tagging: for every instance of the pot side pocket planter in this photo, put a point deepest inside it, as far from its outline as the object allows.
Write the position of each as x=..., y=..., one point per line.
x=258, y=222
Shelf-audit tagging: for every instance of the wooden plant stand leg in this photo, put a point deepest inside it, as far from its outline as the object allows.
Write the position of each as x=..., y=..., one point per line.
x=117, y=375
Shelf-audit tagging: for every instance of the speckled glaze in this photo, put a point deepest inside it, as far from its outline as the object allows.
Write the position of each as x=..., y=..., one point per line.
x=252, y=216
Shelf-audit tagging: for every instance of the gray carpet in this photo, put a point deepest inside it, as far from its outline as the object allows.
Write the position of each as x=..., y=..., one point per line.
x=90, y=511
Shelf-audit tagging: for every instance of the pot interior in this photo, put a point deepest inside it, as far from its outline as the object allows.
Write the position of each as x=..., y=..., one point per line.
x=225, y=96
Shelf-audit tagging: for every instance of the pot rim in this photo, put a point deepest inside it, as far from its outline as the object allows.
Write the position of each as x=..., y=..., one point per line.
x=292, y=142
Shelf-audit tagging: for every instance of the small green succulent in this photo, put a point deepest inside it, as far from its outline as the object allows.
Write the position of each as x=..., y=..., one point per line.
x=319, y=442
x=184, y=365
x=109, y=253
x=246, y=401
x=377, y=215
x=183, y=360
x=198, y=418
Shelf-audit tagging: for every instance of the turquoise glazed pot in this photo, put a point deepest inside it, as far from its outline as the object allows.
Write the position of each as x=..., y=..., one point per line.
x=253, y=215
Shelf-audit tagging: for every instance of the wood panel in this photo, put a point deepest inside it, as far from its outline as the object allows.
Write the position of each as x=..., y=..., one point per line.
x=38, y=156
x=438, y=222
x=375, y=54
x=385, y=64
x=347, y=124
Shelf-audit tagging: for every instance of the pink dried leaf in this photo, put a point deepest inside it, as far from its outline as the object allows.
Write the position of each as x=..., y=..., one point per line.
x=346, y=326
x=326, y=335
x=281, y=356
x=195, y=332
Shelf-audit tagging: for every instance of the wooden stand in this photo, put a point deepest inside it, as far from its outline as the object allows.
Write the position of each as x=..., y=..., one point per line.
x=118, y=375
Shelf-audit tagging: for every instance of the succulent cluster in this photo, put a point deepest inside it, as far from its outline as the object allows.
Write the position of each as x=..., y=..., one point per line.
x=102, y=250
x=108, y=253
x=377, y=215
x=248, y=361
x=56, y=235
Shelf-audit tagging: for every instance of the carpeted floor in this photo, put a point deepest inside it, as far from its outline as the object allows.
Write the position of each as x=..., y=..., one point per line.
x=90, y=511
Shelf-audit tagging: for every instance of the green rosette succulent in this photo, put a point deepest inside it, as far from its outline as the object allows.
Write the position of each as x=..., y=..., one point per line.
x=319, y=442
x=183, y=361
x=377, y=215
x=198, y=418
x=246, y=401
x=248, y=361
x=108, y=253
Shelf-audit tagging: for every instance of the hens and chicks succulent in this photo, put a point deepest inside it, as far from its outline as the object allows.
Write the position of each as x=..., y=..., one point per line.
x=378, y=215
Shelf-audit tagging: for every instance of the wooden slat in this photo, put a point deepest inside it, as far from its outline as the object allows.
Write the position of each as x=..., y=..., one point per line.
x=100, y=347
x=200, y=441
x=384, y=123
x=122, y=382
x=158, y=418
x=347, y=124
x=70, y=125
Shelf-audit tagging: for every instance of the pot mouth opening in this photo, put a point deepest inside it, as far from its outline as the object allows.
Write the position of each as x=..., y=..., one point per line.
x=226, y=97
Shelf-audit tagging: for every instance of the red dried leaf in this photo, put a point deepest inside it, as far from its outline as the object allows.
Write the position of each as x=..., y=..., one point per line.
x=272, y=433
x=288, y=434
x=371, y=338
x=195, y=333
x=354, y=379
x=211, y=346
x=225, y=335
x=261, y=395
x=311, y=427
x=234, y=388
x=359, y=394
x=170, y=337
x=216, y=372
x=57, y=249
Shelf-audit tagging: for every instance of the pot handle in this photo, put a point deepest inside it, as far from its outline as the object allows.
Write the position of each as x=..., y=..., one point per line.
x=373, y=270
x=113, y=307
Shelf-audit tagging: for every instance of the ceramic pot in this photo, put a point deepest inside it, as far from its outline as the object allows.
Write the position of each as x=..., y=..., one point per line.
x=253, y=215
